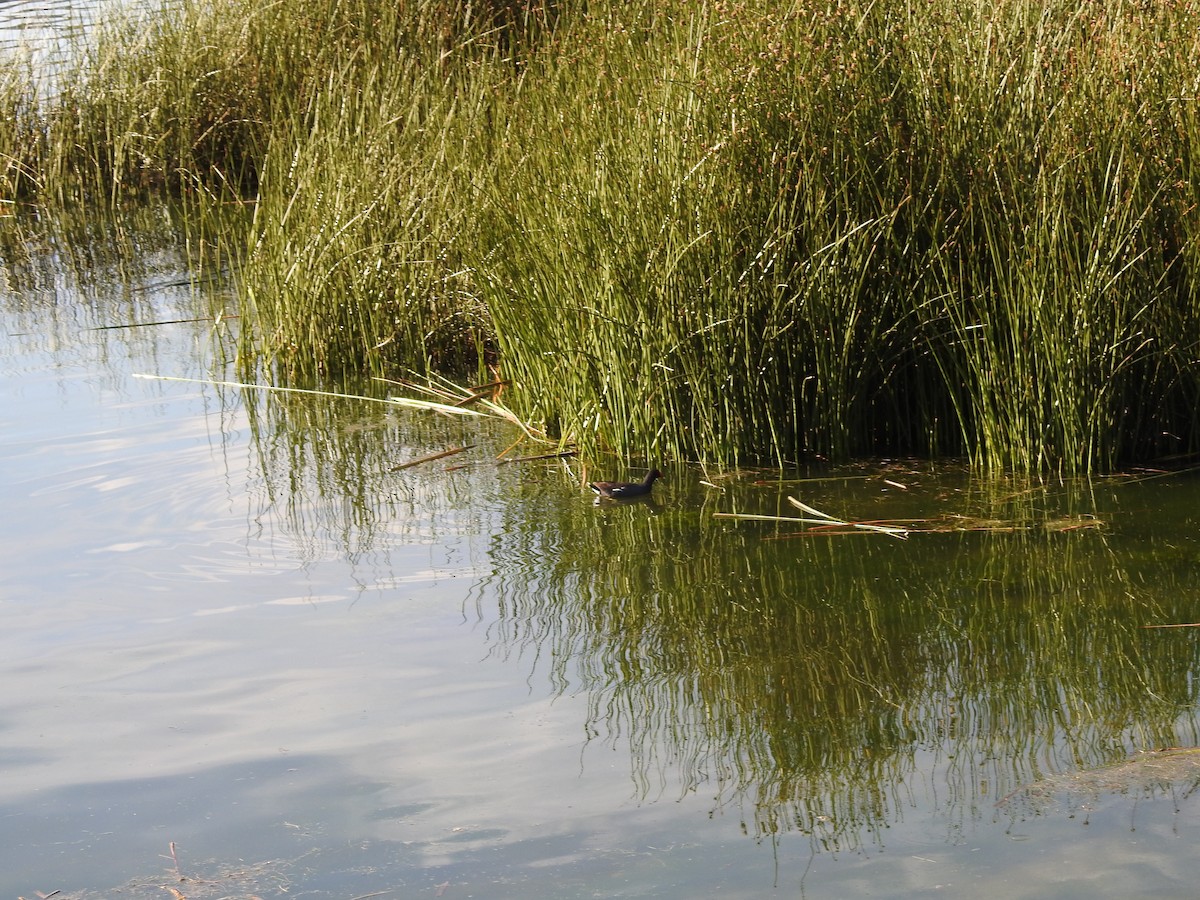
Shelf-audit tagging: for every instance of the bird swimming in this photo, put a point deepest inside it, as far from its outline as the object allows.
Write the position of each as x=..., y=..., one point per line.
x=625, y=490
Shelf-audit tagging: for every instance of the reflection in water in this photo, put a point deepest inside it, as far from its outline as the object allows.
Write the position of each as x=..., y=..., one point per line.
x=115, y=274
x=42, y=29
x=327, y=463
x=821, y=681
x=827, y=686
x=47, y=35
x=824, y=684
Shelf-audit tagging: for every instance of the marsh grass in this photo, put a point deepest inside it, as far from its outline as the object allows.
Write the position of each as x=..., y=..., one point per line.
x=724, y=232
x=358, y=231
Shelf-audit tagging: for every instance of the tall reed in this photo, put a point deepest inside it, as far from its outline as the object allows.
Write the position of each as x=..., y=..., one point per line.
x=724, y=232
x=657, y=264
x=822, y=233
x=1058, y=253
x=365, y=204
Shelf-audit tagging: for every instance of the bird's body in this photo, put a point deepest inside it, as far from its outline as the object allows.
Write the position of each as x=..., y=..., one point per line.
x=624, y=490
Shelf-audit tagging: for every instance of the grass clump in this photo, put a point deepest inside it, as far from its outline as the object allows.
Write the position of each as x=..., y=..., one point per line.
x=365, y=208
x=727, y=231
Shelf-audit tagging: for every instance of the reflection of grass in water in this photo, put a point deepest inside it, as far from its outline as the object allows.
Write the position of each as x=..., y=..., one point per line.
x=812, y=684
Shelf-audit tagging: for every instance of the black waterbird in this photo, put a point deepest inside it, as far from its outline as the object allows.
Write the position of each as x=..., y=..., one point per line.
x=624, y=490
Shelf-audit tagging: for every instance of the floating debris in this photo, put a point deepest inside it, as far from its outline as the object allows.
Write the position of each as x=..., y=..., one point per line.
x=820, y=523
x=431, y=457
x=825, y=523
x=1148, y=772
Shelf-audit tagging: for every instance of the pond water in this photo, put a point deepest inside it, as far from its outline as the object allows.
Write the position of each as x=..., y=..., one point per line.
x=243, y=655
x=41, y=32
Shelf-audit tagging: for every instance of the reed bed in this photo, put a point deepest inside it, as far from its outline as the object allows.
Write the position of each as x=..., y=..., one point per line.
x=727, y=232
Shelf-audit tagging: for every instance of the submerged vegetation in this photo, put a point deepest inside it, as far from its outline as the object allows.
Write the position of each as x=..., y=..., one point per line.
x=724, y=231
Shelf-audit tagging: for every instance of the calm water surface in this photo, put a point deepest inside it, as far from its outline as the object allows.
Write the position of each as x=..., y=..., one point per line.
x=229, y=631
x=41, y=32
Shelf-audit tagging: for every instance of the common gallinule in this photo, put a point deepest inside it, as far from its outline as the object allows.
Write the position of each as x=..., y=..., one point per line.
x=623, y=490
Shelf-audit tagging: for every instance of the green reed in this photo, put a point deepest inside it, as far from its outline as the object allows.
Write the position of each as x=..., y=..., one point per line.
x=720, y=232
x=825, y=234
x=362, y=212
x=653, y=267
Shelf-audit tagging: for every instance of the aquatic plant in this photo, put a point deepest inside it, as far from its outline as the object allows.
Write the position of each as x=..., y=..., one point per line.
x=722, y=232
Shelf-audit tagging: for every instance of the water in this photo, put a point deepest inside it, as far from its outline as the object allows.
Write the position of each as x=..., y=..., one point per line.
x=41, y=32
x=242, y=657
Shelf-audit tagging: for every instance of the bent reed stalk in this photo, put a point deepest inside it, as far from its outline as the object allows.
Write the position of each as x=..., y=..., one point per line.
x=724, y=232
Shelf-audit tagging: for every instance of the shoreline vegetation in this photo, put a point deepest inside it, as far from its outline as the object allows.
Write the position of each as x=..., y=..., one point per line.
x=727, y=232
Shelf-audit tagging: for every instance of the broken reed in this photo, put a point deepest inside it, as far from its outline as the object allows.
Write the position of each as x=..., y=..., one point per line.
x=722, y=232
